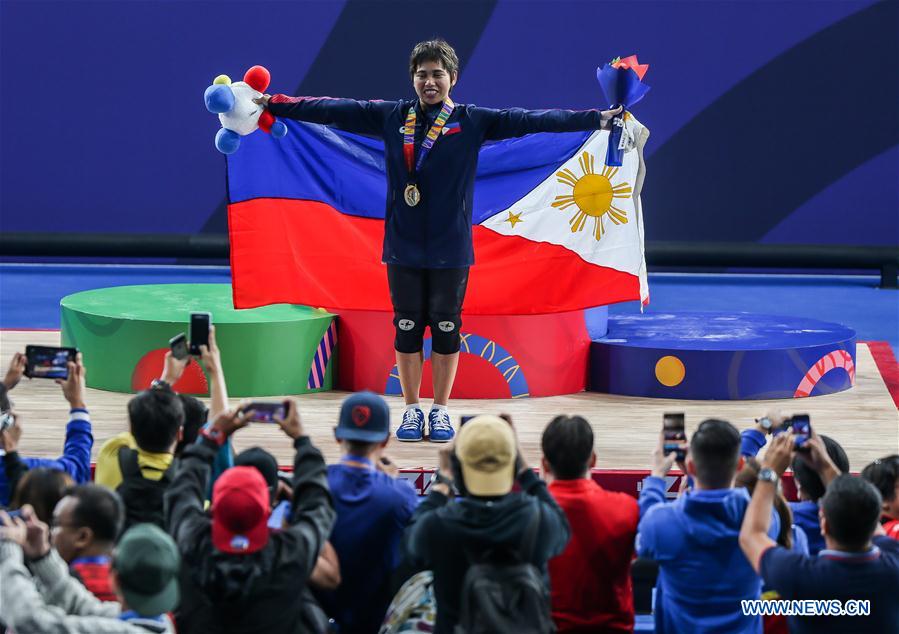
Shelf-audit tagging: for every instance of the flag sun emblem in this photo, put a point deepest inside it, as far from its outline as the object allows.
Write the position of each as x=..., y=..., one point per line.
x=593, y=195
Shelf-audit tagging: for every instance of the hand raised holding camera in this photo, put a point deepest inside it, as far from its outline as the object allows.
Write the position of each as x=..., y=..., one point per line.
x=816, y=456
x=780, y=453
x=173, y=368
x=9, y=437
x=16, y=370
x=74, y=387
x=291, y=422
x=210, y=355
x=230, y=421
x=12, y=529
x=37, y=534
x=388, y=466
x=662, y=463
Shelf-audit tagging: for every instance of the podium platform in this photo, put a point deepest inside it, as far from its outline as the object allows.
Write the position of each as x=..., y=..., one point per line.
x=722, y=356
x=123, y=334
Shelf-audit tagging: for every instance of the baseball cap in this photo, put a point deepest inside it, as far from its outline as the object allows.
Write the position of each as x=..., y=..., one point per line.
x=364, y=416
x=487, y=450
x=146, y=562
x=240, y=510
x=264, y=462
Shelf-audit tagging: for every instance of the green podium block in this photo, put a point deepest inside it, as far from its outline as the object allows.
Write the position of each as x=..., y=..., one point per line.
x=123, y=334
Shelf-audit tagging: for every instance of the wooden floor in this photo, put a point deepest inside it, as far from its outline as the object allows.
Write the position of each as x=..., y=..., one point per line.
x=864, y=419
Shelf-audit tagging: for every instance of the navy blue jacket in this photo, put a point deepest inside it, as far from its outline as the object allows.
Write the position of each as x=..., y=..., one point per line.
x=437, y=232
x=373, y=510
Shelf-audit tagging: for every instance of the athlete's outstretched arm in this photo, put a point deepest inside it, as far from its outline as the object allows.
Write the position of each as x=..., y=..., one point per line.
x=363, y=117
x=513, y=122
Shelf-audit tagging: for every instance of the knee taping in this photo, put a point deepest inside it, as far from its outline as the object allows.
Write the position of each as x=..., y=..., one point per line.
x=410, y=330
x=445, y=333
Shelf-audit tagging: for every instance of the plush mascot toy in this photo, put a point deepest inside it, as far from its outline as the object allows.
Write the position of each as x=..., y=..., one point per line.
x=234, y=105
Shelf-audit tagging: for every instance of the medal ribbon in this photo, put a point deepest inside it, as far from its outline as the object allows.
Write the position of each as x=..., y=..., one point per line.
x=428, y=143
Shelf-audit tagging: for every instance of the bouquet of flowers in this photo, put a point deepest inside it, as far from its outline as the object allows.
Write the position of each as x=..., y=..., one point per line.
x=622, y=82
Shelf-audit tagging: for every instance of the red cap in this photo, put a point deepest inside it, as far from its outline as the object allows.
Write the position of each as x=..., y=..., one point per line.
x=240, y=510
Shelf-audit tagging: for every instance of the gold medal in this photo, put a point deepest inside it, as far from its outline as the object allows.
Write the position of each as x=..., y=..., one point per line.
x=412, y=195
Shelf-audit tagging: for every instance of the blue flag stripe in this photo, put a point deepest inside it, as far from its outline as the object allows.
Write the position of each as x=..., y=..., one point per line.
x=346, y=171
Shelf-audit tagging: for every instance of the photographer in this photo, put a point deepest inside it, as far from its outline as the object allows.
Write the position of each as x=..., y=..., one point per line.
x=248, y=578
x=703, y=575
x=75, y=460
x=450, y=538
x=809, y=483
x=143, y=576
x=859, y=562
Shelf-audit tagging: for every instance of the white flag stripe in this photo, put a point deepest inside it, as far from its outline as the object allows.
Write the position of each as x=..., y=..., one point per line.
x=597, y=212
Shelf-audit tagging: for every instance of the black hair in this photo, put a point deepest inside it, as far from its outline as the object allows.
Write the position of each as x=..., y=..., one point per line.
x=715, y=452
x=883, y=474
x=851, y=507
x=156, y=415
x=264, y=462
x=567, y=445
x=360, y=447
x=195, y=416
x=42, y=488
x=808, y=479
x=437, y=50
x=98, y=509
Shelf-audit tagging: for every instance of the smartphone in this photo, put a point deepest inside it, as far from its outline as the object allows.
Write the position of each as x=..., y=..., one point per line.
x=16, y=513
x=48, y=362
x=279, y=515
x=199, y=331
x=178, y=344
x=264, y=412
x=674, y=434
x=802, y=429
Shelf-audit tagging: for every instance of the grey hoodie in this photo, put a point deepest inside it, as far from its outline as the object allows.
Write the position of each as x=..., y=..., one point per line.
x=62, y=605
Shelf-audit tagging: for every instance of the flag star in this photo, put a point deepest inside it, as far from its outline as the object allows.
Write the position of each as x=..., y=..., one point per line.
x=514, y=218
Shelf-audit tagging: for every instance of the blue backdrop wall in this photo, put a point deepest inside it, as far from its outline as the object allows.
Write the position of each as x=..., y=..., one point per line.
x=771, y=121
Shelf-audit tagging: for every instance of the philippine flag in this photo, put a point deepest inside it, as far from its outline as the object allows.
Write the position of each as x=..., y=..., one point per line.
x=555, y=229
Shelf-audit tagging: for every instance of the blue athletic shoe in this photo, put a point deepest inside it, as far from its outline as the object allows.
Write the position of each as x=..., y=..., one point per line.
x=412, y=428
x=440, y=429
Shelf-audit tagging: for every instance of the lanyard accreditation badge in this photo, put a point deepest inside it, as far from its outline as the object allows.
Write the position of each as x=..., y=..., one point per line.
x=411, y=194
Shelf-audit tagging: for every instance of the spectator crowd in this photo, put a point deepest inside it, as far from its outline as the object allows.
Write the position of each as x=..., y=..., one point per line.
x=177, y=533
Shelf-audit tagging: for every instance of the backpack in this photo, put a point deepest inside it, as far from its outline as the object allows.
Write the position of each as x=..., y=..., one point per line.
x=503, y=592
x=414, y=608
x=141, y=496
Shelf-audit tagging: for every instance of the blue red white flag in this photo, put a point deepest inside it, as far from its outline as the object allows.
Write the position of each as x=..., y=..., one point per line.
x=554, y=228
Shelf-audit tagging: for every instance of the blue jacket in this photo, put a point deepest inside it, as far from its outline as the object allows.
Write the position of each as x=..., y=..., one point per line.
x=437, y=232
x=373, y=510
x=75, y=459
x=703, y=574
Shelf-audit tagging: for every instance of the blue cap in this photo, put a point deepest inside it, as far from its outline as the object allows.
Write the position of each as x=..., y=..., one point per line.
x=364, y=416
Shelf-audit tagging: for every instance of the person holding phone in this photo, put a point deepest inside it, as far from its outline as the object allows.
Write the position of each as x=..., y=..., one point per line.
x=245, y=576
x=817, y=458
x=79, y=438
x=703, y=576
x=859, y=562
x=431, y=146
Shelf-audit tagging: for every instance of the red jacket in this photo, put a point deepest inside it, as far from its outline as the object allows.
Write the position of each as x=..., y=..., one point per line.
x=93, y=573
x=891, y=527
x=591, y=580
